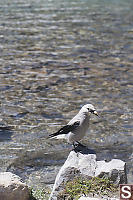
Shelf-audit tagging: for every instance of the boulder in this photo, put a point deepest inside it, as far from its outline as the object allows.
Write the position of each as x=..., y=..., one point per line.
x=83, y=163
x=115, y=169
x=12, y=188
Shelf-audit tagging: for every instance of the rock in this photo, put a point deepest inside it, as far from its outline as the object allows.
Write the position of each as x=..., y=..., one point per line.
x=12, y=188
x=84, y=164
x=115, y=169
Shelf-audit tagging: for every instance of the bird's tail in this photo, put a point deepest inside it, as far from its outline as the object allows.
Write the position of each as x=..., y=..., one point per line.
x=52, y=135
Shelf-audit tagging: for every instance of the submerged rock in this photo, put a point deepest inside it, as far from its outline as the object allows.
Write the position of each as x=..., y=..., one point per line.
x=12, y=188
x=83, y=164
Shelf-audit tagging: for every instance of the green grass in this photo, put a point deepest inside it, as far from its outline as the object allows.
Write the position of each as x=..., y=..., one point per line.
x=79, y=187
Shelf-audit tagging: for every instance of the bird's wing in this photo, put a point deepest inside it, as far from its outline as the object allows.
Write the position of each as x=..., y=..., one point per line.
x=66, y=129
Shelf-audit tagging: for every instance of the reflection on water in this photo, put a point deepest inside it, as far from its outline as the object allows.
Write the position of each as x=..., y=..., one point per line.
x=55, y=57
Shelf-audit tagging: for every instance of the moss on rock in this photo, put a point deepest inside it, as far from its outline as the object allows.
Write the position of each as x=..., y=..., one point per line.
x=78, y=187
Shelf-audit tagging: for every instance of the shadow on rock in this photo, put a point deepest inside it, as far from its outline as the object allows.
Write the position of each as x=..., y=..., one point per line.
x=83, y=149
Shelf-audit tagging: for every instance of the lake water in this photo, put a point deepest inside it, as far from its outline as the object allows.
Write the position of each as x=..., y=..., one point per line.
x=55, y=57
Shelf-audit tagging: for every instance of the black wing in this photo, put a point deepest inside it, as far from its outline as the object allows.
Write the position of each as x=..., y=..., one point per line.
x=66, y=129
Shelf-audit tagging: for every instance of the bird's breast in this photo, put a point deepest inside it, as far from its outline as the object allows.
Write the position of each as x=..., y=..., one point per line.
x=80, y=131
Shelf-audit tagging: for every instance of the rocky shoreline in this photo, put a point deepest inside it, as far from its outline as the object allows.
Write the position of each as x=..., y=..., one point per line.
x=75, y=179
x=82, y=163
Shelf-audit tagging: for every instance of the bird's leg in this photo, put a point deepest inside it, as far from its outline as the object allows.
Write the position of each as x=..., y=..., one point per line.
x=75, y=144
x=78, y=147
x=79, y=144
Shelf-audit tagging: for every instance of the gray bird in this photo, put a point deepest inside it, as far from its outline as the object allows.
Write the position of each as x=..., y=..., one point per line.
x=76, y=129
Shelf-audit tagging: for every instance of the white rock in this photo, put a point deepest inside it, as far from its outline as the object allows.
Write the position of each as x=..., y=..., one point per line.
x=85, y=165
x=75, y=165
x=11, y=187
x=115, y=169
x=103, y=166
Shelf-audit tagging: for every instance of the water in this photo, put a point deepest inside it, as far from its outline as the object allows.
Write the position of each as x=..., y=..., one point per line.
x=55, y=57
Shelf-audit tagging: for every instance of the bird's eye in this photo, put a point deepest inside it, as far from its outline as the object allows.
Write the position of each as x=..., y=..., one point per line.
x=90, y=110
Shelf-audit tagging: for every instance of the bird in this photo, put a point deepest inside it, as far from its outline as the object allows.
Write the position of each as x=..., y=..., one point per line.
x=77, y=127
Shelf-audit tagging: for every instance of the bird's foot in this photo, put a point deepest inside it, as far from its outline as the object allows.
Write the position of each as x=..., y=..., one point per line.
x=78, y=147
x=77, y=144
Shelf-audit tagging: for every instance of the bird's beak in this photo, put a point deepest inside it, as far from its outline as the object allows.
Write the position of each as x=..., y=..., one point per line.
x=95, y=112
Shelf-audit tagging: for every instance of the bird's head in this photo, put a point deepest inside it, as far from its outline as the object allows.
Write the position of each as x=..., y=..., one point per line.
x=89, y=109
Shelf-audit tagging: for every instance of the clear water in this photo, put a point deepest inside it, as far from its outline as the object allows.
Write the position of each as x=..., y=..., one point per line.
x=55, y=57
